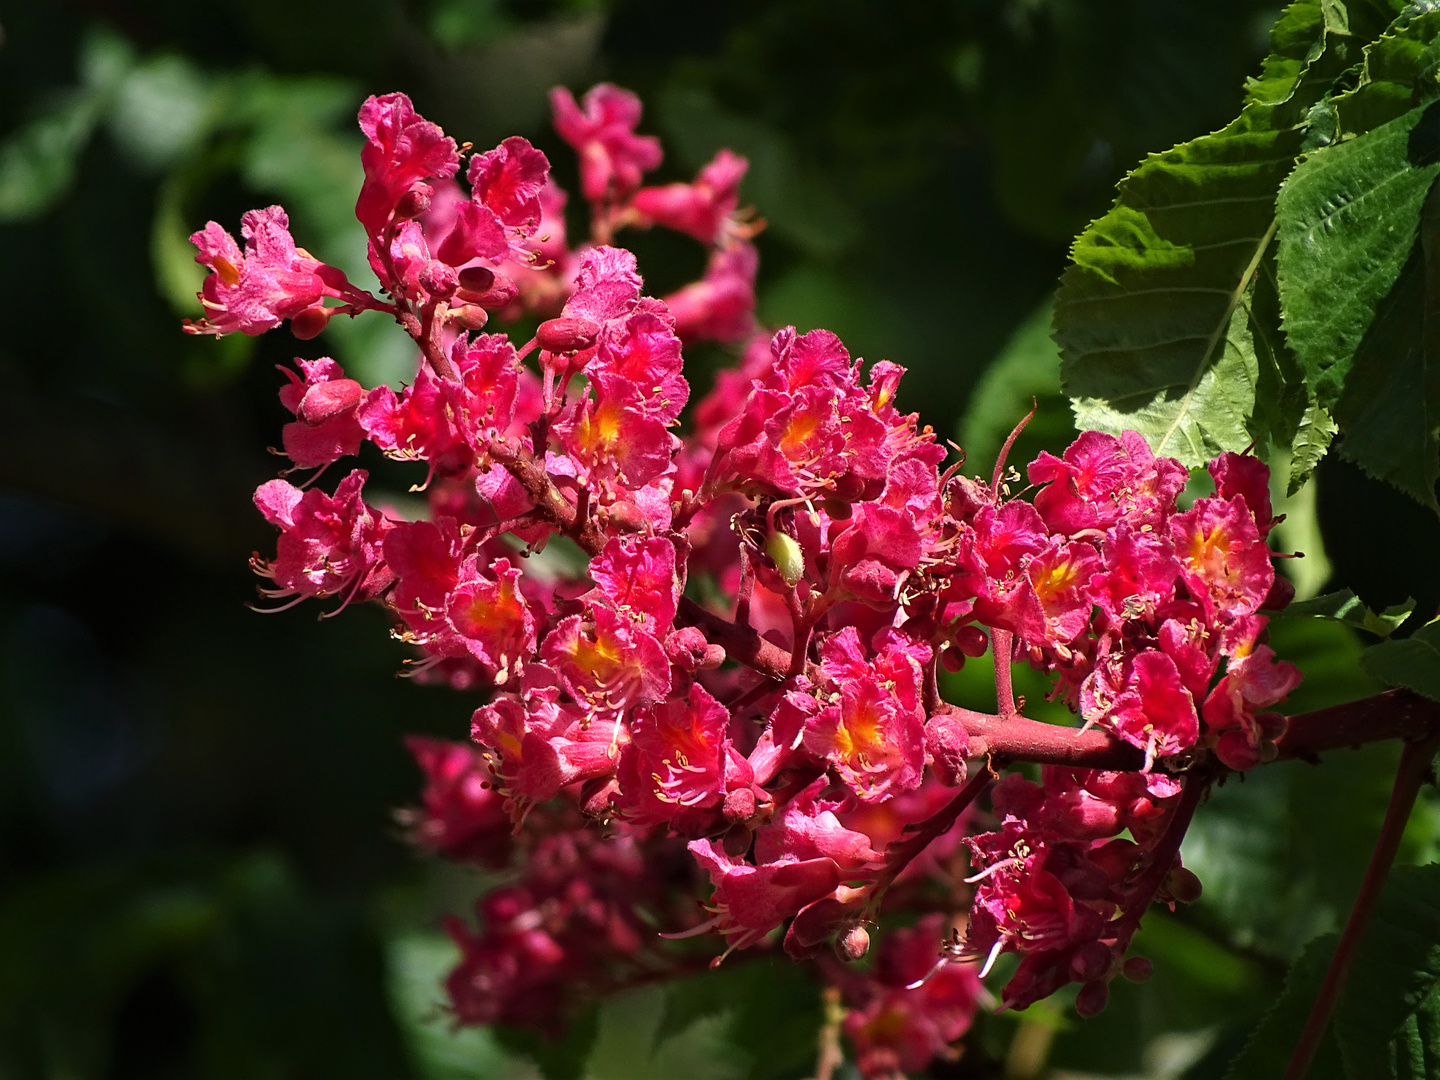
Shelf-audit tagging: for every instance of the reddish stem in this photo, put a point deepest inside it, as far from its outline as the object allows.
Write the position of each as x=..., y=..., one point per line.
x=1162, y=856
x=1002, y=645
x=1414, y=768
x=901, y=853
x=1005, y=449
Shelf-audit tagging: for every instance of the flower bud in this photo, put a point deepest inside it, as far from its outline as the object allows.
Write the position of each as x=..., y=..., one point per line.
x=333, y=277
x=470, y=316
x=853, y=944
x=1183, y=885
x=952, y=660
x=971, y=640
x=946, y=744
x=477, y=279
x=567, y=335
x=414, y=202
x=1091, y=999
x=1280, y=594
x=1137, y=969
x=785, y=553
x=1090, y=962
x=500, y=292
x=308, y=323
x=438, y=279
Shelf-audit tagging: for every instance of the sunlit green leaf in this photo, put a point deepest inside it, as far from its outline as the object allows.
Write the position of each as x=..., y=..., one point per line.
x=1412, y=662
x=1344, y=606
x=1152, y=316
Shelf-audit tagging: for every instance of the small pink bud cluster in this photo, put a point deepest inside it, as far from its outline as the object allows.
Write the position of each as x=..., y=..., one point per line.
x=742, y=681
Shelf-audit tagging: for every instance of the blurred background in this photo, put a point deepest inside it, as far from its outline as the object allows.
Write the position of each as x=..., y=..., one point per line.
x=200, y=870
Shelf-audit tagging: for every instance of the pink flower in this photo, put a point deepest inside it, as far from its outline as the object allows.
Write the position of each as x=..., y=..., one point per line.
x=543, y=744
x=402, y=150
x=463, y=817
x=700, y=209
x=1251, y=682
x=491, y=618
x=609, y=664
x=612, y=157
x=721, y=305
x=1101, y=478
x=1150, y=708
x=1223, y=559
x=1248, y=477
x=328, y=544
x=873, y=735
x=750, y=901
x=808, y=829
x=254, y=291
x=504, y=206
x=638, y=578
x=324, y=403
x=679, y=761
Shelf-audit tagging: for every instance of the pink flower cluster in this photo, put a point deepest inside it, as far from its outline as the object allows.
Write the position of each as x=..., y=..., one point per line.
x=742, y=683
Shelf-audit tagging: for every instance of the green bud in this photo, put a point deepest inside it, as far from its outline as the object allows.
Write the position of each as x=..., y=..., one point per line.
x=785, y=553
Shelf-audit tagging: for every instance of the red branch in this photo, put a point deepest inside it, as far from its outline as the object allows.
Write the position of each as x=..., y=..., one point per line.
x=1414, y=768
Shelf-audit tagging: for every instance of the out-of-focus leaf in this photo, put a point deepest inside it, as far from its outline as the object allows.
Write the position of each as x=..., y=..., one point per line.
x=1026, y=370
x=37, y=161
x=1191, y=226
x=558, y=1058
x=1386, y=1019
x=1412, y=662
x=418, y=963
x=161, y=111
x=773, y=1010
x=1344, y=606
x=629, y=1046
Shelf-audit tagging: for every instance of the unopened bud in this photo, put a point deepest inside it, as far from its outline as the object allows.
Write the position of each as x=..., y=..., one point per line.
x=1137, y=969
x=1280, y=594
x=567, y=335
x=310, y=322
x=952, y=660
x=1090, y=962
x=1091, y=999
x=971, y=640
x=333, y=277
x=499, y=293
x=415, y=201
x=477, y=279
x=1183, y=885
x=438, y=279
x=853, y=944
x=470, y=316
x=785, y=553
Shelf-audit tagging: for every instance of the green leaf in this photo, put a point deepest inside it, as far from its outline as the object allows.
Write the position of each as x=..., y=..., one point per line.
x=1268, y=1052
x=37, y=161
x=1386, y=1014
x=1349, y=216
x=1152, y=317
x=1313, y=436
x=1344, y=606
x=1413, y=662
x=1390, y=411
x=1399, y=73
